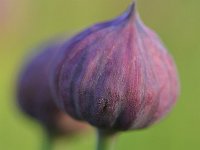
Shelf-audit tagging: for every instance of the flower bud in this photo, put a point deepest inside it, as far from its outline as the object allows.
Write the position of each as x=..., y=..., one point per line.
x=35, y=98
x=116, y=75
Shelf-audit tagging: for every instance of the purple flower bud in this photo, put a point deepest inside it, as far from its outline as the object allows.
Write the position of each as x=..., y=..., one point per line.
x=35, y=98
x=116, y=75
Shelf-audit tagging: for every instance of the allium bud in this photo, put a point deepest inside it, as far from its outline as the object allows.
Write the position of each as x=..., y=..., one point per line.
x=116, y=75
x=35, y=98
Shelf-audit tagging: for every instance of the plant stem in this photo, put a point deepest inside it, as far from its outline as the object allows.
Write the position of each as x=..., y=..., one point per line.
x=47, y=142
x=105, y=140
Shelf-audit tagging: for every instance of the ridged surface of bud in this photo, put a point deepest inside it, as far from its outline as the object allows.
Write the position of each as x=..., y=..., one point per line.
x=116, y=75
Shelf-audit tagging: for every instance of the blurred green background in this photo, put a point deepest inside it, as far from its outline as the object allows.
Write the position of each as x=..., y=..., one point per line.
x=26, y=23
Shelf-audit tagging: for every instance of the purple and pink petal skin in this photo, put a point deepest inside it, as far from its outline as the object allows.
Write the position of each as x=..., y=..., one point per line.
x=115, y=75
x=35, y=98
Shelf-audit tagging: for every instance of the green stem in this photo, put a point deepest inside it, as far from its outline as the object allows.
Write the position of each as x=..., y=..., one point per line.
x=105, y=140
x=47, y=142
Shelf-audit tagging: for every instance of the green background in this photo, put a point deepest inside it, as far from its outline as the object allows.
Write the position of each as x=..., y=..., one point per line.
x=26, y=23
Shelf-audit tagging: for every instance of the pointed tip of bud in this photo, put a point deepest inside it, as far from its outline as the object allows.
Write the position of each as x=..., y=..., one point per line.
x=131, y=9
x=129, y=13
